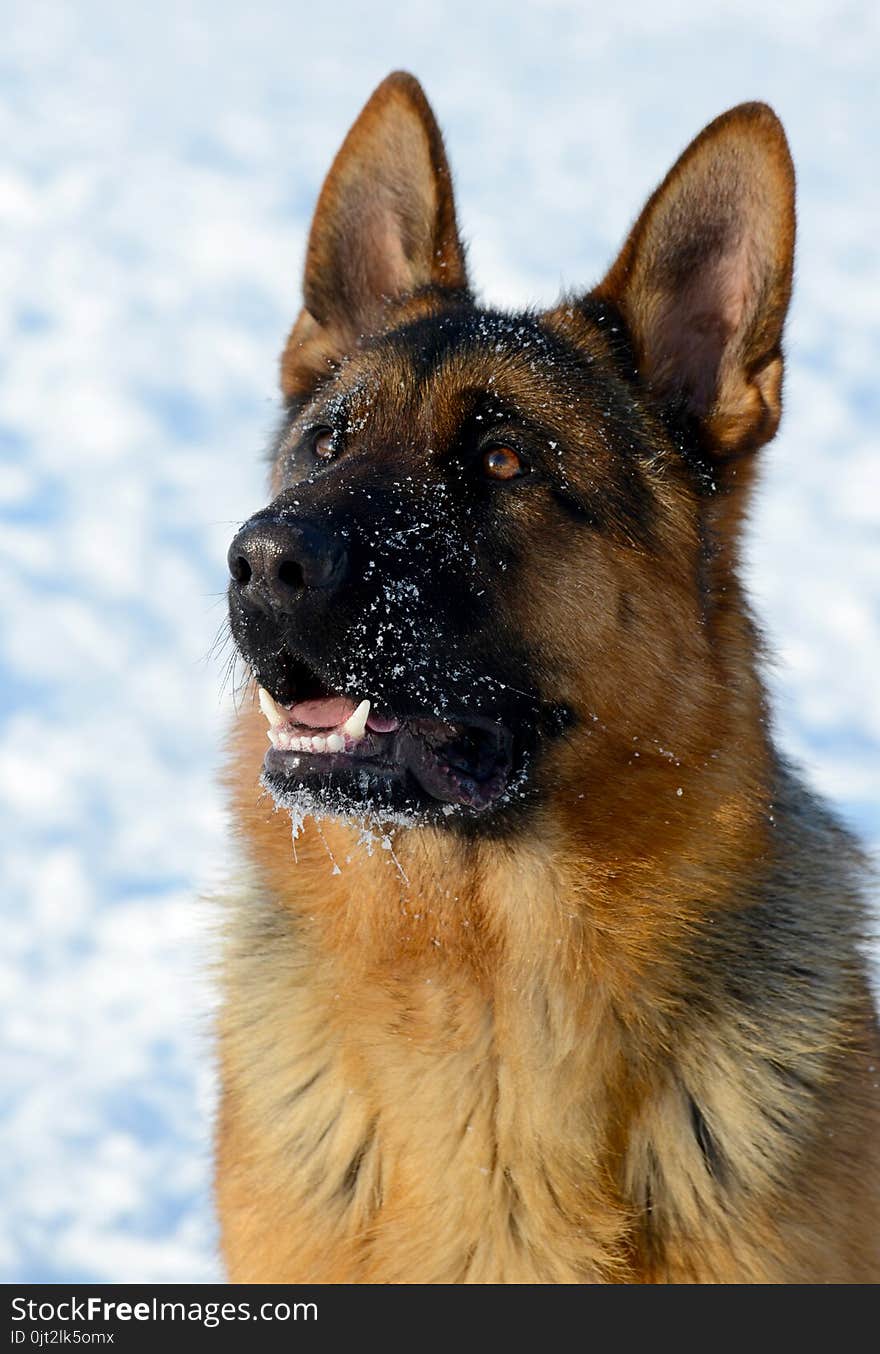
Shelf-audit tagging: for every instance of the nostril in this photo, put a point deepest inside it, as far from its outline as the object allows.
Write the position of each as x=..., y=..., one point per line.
x=291, y=574
x=240, y=569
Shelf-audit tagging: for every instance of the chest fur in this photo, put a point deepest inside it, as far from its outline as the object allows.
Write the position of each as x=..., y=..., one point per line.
x=416, y=1129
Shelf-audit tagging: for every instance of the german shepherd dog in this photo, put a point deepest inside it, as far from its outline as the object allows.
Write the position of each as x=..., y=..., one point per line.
x=561, y=977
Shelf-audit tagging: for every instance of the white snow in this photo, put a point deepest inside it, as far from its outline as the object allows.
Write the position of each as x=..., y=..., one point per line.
x=158, y=171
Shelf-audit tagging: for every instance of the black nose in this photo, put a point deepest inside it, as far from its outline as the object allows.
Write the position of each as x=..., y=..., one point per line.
x=272, y=562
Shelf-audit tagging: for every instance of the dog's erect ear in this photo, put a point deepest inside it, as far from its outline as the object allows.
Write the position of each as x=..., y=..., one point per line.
x=384, y=227
x=704, y=279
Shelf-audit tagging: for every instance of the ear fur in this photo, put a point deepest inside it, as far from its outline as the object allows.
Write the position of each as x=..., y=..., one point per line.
x=704, y=279
x=384, y=228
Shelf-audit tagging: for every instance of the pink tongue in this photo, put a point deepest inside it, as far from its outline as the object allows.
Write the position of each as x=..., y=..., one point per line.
x=323, y=714
x=335, y=710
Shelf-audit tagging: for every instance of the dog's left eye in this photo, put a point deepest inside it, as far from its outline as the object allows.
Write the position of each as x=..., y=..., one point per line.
x=503, y=463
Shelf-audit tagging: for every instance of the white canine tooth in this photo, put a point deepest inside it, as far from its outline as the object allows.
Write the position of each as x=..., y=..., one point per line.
x=273, y=712
x=355, y=726
x=335, y=742
x=319, y=745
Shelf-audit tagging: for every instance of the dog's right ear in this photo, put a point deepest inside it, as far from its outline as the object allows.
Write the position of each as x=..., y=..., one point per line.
x=383, y=229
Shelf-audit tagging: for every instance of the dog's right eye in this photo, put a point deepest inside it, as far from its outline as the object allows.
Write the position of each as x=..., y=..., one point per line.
x=324, y=443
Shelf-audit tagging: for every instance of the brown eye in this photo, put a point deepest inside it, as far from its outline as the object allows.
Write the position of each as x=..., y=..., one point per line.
x=323, y=445
x=503, y=463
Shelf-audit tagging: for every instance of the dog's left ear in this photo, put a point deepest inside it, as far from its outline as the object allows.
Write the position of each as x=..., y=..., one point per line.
x=384, y=228
x=704, y=279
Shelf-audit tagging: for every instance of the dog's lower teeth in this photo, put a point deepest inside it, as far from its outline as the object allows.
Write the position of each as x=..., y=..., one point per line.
x=285, y=741
x=282, y=737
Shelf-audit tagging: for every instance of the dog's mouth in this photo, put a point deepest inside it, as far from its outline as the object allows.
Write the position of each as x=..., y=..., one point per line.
x=407, y=761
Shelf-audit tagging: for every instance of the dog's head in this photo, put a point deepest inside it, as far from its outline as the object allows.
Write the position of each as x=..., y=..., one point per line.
x=498, y=558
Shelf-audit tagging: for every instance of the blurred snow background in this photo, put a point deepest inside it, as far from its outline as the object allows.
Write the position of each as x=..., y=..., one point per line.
x=158, y=170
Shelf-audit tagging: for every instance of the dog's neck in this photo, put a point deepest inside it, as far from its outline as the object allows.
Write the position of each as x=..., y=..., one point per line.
x=575, y=893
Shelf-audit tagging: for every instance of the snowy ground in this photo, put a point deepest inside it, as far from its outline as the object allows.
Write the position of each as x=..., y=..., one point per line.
x=158, y=169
